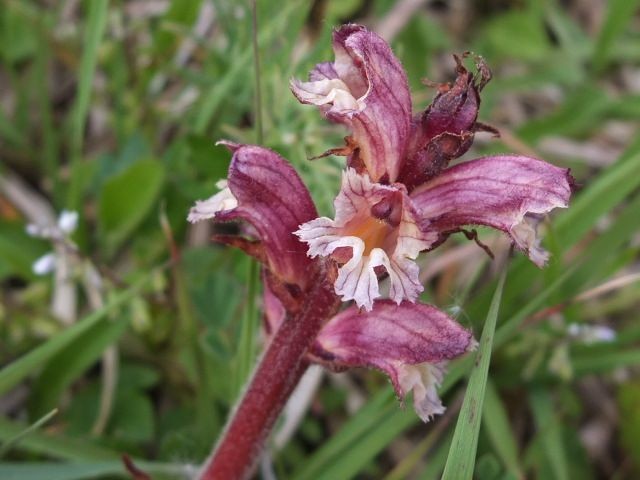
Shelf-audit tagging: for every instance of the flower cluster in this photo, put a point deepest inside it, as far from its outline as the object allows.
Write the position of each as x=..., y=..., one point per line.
x=398, y=197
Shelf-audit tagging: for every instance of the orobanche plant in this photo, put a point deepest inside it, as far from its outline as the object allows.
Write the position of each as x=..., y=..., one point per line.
x=343, y=292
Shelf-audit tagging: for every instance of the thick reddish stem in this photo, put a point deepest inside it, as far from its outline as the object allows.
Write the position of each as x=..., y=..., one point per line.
x=273, y=380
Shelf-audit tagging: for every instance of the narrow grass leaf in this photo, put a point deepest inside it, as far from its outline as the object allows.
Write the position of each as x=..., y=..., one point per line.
x=70, y=363
x=94, y=29
x=54, y=446
x=29, y=363
x=8, y=444
x=462, y=454
x=618, y=15
x=496, y=425
x=80, y=471
x=548, y=425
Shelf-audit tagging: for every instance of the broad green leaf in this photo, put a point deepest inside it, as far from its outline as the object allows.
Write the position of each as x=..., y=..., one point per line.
x=462, y=454
x=127, y=198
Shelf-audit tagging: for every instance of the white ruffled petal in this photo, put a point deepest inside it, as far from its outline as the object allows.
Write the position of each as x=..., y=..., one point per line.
x=320, y=234
x=525, y=235
x=423, y=379
x=205, y=209
x=404, y=280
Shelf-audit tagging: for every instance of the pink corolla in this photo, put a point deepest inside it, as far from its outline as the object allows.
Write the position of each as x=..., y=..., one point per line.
x=398, y=196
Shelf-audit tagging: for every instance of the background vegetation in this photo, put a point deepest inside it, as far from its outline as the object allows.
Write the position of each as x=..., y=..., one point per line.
x=142, y=337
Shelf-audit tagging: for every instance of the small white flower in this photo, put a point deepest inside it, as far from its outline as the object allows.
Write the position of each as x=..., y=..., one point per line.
x=68, y=221
x=45, y=264
x=589, y=334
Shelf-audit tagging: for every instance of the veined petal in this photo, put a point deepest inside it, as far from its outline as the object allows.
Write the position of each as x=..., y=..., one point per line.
x=377, y=224
x=265, y=191
x=409, y=342
x=366, y=89
x=503, y=192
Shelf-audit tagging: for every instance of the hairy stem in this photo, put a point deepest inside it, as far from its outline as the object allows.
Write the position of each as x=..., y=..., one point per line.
x=273, y=380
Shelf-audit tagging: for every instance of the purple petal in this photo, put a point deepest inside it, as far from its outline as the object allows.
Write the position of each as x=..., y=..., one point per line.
x=503, y=192
x=365, y=89
x=445, y=130
x=265, y=191
x=409, y=342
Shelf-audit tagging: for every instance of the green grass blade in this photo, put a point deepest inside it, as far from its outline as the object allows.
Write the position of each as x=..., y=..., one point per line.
x=8, y=444
x=619, y=14
x=549, y=428
x=496, y=424
x=80, y=471
x=16, y=371
x=54, y=446
x=462, y=453
x=360, y=425
x=97, y=20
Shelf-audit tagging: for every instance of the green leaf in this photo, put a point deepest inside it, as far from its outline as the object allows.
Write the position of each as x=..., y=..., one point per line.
x=126, y=199
x=93, y=30
x=548, y=425
x=71, y=363
x=462, y=454
x=517, y=35
x=496, y=424
x=619, y=14
x=628, y=398
x=37, y=358
x=8, y=444
x=81, y=471
x=55, y=446
x=18, y=39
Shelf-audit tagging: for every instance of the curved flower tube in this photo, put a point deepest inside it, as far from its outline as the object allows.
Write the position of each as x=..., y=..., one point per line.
x=265, y=191
x=409, y=342
x=366, y=89
x=508, y=193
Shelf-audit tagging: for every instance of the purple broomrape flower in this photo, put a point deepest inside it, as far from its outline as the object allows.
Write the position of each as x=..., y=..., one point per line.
x=366, y=86
x=398, y=197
